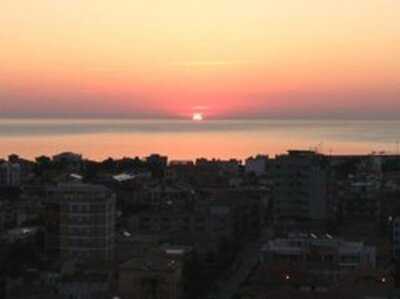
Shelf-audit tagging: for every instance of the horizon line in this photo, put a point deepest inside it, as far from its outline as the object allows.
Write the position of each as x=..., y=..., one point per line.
x=181, y=118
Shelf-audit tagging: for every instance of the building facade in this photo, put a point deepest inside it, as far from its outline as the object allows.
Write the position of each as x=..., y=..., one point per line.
x=319, y=255
x=300, y=190
x=10, y=174
x=80, y=222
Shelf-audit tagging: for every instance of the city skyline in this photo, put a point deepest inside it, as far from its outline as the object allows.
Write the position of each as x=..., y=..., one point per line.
x=199, y=149
x=170, y=59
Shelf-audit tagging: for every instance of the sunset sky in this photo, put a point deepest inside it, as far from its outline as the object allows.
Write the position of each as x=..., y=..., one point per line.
x=225, y=59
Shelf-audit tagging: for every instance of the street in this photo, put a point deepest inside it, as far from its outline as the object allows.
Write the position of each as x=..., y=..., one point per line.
x=246, y=260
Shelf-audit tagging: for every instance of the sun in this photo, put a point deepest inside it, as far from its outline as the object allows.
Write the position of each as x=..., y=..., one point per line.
x=197, y=116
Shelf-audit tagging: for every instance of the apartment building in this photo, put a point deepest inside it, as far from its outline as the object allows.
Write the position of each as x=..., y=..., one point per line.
x=300, y=190
x=322, y=256
x=80, y=221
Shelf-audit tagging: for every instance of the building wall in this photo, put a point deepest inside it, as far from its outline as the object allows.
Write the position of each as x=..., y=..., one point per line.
x=333, y=259
x=10, y=174
x=300, y=187
x=81, y=222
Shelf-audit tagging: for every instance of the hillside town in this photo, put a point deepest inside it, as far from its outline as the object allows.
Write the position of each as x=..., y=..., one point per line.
x=298, y=225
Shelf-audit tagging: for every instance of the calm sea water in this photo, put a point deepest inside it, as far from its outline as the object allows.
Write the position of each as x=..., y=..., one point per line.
x=102, y=138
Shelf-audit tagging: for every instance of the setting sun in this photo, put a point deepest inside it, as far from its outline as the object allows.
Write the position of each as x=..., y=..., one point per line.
x=197, y=116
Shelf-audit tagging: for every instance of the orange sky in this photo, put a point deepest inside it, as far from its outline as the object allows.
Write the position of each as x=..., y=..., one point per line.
x=170, y=58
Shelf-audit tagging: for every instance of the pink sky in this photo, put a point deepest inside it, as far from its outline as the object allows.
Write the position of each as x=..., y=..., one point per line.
x=254, y=58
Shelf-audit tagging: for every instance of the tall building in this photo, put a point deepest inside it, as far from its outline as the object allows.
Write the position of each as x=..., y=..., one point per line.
x=300, y=190
x=10, y=174
x=80, y=222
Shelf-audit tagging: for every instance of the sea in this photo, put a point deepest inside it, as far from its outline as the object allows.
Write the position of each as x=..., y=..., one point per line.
x=99, y=139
